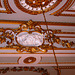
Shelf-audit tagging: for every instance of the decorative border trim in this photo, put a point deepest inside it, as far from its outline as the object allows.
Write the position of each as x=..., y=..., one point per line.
x=70, y=10
x=18, y=69
x=50, y=48
x=65, y=7
x=37, y=53
x=71, y=15
x=70, y=6
x=65, y=67
x=62, y=8
x=8, y=8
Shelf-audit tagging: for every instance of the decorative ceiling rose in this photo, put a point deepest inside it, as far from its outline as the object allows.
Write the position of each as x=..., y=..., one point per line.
x=32, y=39
x=34, y=6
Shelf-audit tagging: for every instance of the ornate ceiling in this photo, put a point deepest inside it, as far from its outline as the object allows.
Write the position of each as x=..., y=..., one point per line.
x=25, y=19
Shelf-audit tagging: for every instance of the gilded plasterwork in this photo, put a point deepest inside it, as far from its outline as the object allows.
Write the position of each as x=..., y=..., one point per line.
x=5, y=7
x=22, y=38
x=34, y=7
x=64, y=10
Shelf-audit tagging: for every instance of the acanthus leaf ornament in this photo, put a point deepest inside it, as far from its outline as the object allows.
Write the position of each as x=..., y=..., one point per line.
x=30, y=37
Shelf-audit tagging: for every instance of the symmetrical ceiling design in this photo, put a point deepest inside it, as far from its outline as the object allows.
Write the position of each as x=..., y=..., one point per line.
x=65, y=56
x=30, y=37
x=24, y=21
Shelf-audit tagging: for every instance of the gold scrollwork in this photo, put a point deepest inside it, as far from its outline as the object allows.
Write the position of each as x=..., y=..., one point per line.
x=48, y=38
